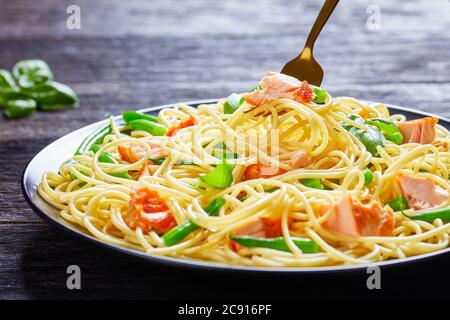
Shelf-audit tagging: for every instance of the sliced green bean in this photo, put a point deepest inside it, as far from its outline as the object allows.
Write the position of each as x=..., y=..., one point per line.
x=129, y=116
x=94, y=138
x=155, y=129
x=181, y=231
x=398, y=204
x=431, y=215
x=368, y=176
x=312, y=183
x=304, y=244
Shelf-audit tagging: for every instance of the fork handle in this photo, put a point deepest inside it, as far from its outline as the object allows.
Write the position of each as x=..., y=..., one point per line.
x=325, y=13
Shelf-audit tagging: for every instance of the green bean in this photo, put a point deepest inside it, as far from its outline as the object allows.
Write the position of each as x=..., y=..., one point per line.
x=398, y=204
x=395, y=137
x=368, y=176
x=304, y=244
x=181, y=231
x=129, y=116
x=94, y=138
x=431, y=215
x=155, y=129
x=312, y=183
x=232, y=103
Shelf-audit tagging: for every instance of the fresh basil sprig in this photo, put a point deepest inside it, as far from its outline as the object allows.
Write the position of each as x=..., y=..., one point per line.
x=31, y=86
x=29, y=73
x=19, y=108
x=53, y=95
x=7, y=82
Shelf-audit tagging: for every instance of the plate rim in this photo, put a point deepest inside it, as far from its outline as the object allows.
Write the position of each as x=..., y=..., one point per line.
x=208, y=265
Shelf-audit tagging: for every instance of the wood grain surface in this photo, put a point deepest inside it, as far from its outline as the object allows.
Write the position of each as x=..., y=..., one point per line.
x=135, y=54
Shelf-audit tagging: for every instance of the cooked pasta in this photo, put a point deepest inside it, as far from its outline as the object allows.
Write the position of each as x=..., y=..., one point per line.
x=272, y=178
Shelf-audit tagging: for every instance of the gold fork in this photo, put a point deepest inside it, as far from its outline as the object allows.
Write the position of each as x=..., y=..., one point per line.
x=304, y=66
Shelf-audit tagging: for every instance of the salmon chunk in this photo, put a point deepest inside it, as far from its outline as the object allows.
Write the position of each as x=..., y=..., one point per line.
x=264, y=227
x=191, y=121
x=298, y=159
x=277, y=85
x=256, y=171
x=351, y=217
x=132, y=152
x=420, y=131
x=148, y=211
x=421, y=193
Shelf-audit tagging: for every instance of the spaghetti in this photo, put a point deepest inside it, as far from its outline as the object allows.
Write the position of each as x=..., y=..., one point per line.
x=268, y=179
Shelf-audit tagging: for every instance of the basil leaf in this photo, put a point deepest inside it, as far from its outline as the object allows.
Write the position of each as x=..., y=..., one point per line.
x=8, y=95
x=53, y=96
x=29, y=73
x=321, y=96
x=356, y=118
x=370, y=137
x=7, y=81
x=233, y=103
x=219, y=177
x=15, y=109
x=7, y=86
x=389, y=129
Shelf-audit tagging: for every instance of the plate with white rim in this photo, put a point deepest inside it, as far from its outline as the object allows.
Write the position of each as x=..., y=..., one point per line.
x=51, y=157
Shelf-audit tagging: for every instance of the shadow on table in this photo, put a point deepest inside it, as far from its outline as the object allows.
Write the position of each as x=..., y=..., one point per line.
x=109, y=275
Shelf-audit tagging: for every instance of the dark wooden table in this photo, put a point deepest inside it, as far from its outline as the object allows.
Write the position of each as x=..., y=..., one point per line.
x=134, y=54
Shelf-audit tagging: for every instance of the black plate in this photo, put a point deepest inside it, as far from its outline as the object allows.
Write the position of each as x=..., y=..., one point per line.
x=51, y=157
